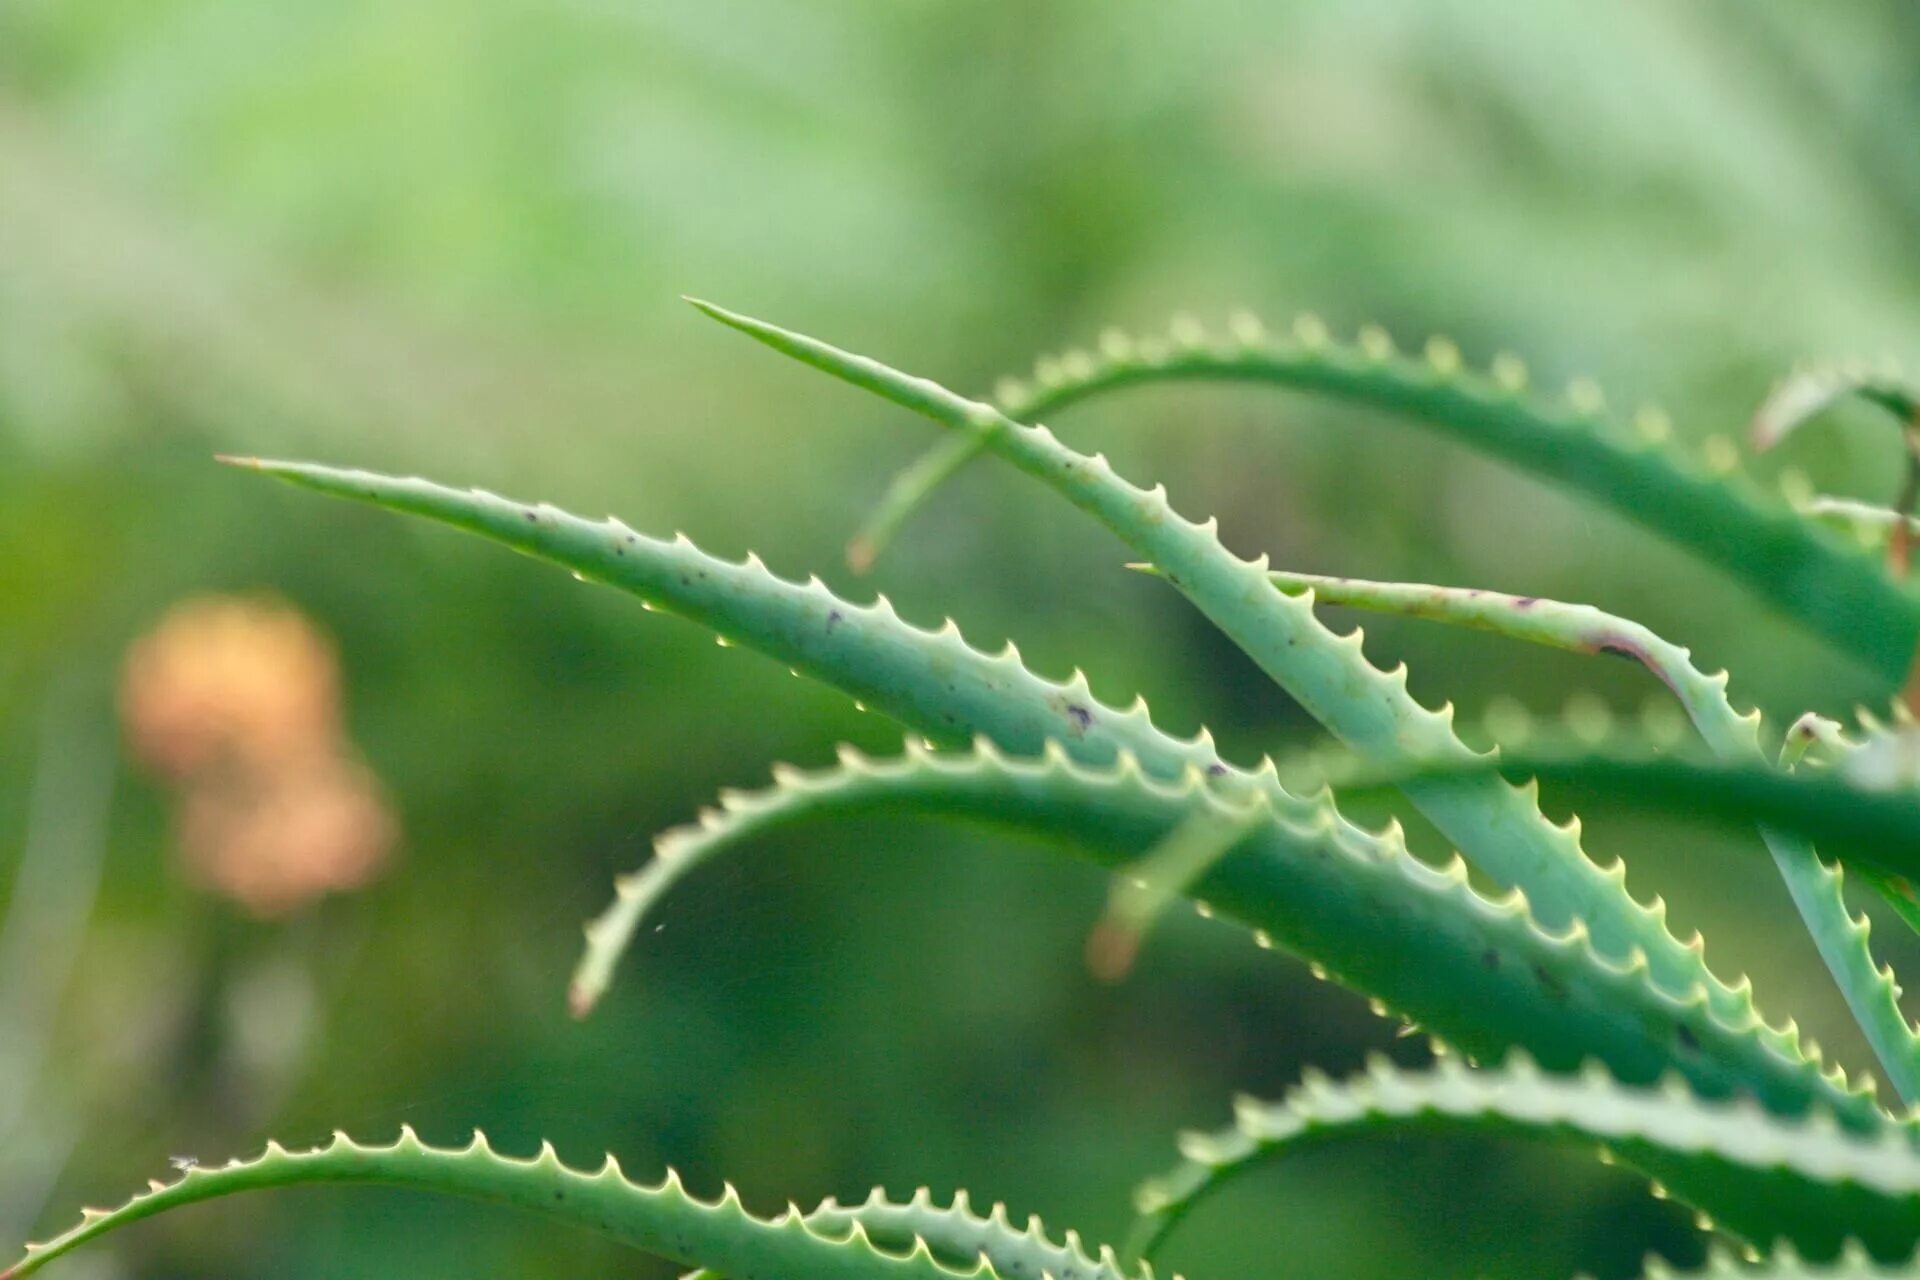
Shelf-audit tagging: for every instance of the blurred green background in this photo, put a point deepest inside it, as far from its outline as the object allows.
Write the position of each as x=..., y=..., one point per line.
x=449, y=238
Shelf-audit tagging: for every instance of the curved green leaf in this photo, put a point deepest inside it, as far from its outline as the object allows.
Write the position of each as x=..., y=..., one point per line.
x=1784, y=1264
x=1557, y=624
x=663, y=1219
x=932, y=681
x=1499, y=826
x=1865, y=825
x=1481, y=974
x=1762, y=1179
x=959, y=1236
x=1805, y=395
x=1852, y=513
x=1870, y=990
x=1702, y=505
x=1149, y=887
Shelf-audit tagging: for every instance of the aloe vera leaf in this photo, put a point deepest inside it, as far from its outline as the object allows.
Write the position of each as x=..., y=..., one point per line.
x=1898, y=891
x=1867, y=826
x=1802, y=396
x=957, y=1235
x=1816, y=739
x=1150, y=886
x=663, y=1219
x=1854, y=1263
x=932, y=681
x=1854, y=513
x=910, y=488
x=1871, y=993
x=1703, y=505
x=1480, y=974
x=1496, y=824
x=1806, y=394
x=1806, y=1183
x=1577, y=628
x=745, y=601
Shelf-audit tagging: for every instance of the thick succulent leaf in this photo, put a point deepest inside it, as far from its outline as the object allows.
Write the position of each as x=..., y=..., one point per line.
x=1854, y=1263
x=911, y=487
x=1480, y=974
x=1863, y=824
x=932, y=681
x=1577, y=628
x=662, y=1219
x=1805, y=395
x=960, y=1237
x=1496, y=824
x=1150, y=886
x=1866, y=517
x=1703, y=505
x=1885, y=758
x=1806, y=1183
x=1870, y=990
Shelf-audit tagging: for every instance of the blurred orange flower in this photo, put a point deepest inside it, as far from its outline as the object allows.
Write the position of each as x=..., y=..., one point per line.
x=236, y=703
x=223, y=680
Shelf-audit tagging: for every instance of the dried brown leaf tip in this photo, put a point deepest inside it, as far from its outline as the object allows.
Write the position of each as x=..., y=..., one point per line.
x=235, y=704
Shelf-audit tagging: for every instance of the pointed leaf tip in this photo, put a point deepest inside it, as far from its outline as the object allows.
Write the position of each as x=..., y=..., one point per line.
x=918, y=395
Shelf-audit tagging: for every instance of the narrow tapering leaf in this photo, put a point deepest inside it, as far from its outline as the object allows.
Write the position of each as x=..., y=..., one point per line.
x=1861, y=823
x=1802, y=396
x=959, y=1236
x=1480, y=974
x=1703, y=505
x=1854, y=1263
x=1805, y=1184
x=1497, y=825
x=1867, y=517
x=932, y=681
x=1870, y=990
x=663, y=1219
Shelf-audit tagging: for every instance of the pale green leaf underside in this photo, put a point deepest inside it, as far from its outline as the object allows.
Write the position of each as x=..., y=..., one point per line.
x=1703, y=505
x=1762, y=1179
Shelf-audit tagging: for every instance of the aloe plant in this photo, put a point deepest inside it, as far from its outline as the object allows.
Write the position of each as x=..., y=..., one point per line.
x=1702, y=502
x=1560, y=1008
